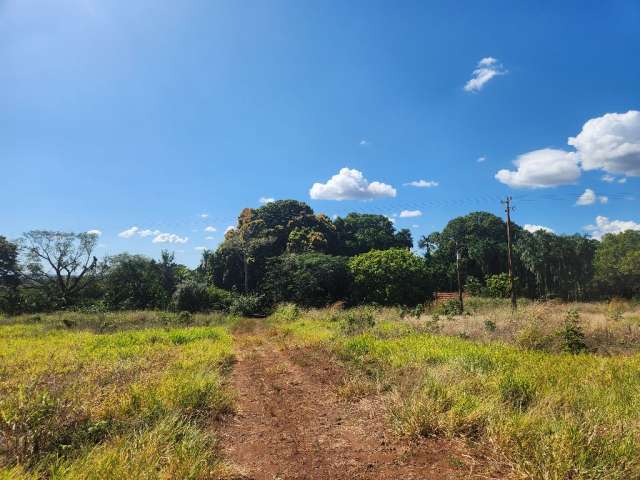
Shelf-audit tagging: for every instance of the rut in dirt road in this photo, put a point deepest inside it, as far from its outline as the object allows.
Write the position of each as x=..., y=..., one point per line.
x=290, y=424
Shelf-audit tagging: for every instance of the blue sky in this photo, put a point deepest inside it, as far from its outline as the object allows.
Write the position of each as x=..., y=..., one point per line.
x=149, y=114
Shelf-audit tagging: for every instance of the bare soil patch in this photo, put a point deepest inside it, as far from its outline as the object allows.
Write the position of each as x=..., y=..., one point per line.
x=291, y=424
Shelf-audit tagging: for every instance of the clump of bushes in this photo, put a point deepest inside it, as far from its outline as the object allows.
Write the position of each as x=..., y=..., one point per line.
x=449, y=308
x=498, y=285
x=572, y=334
x=389, y=277
x=357, y=320
x=247, y=305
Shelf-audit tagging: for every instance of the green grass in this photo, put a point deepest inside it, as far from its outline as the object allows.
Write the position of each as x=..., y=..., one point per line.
x=133, y=401
x=546, y=415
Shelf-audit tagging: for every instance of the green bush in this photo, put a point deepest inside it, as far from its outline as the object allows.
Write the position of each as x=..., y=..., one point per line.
x=247, y=305
x=191, y=297
x=572, y=334
x=307, y=279
x=449, y=308
x=498, y=286
x=473, y=286
x=389, y=277
x=357, y=320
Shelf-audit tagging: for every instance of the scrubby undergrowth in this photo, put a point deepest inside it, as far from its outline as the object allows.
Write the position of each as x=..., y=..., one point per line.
x=547, y=415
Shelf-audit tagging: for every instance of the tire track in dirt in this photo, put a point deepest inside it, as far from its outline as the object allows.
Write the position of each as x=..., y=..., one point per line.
x=290, y=424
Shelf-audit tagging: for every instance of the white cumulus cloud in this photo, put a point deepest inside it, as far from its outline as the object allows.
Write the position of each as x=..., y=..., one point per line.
x=410, y=213
x=603, y=226
x=200, y=248
x=481, y=159
x=169, y=238
x=204, y=215
x=422, y=184
x=589, y=197
x=210, y=229
x=95, y=232
x=542, y=169
x=534, y=228
x=350, y=184
x=486, y=69
x=265, y=200
x=611, y=143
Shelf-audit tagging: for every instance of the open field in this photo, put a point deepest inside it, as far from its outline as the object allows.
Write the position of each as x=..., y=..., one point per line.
x=132, y=402
x=330, y=393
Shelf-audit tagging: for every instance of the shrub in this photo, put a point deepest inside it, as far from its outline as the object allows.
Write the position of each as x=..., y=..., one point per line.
x=219, y=299
x=571, y=334
x=357, y=320
x=498, y=285
x=191, y=297
x=449, y=308
x=184, y=318
x=389, y=277
x=286, y=312
x=490, y=325
x=473, y=286
x=247, y=305
x=307, y=279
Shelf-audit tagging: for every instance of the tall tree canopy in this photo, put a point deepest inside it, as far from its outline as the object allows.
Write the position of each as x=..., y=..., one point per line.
x=9, y=275
x=290, y=226
x=617, y=264
x=60, y=263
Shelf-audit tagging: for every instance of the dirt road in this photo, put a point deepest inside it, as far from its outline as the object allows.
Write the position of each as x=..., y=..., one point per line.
x=291, y=424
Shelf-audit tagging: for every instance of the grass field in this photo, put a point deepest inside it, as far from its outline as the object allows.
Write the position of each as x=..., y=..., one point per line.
x=546, y=415
x=117, y=397
x=138, y=394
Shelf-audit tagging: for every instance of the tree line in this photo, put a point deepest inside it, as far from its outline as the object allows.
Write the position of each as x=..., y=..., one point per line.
x=285, y=252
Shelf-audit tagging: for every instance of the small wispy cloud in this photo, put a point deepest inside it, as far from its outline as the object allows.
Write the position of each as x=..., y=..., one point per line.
x=534, y=228
x=229, y=228
x=170, y=238
x=95, y=232
x=481, y=159
x=265, y=200
x=410, y=213
x=210, y=229
x=204, y=215
x=200, y=249
x=422, y=184
x=128, y=233
x=486, y=69
x=589, y=197
x=364, y=143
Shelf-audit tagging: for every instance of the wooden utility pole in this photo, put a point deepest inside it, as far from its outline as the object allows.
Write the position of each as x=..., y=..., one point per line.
x=459, y=281
x=508, y=209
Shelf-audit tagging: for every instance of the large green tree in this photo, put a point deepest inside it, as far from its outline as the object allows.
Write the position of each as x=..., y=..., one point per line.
x=134, y=282
x=617, y=264
x=61, y=264
x=363, y=232
x=390, y=277
x=481, y=240
x=307, y=279
x=9, y=275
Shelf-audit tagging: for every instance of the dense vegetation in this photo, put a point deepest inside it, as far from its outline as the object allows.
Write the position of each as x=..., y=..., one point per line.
x=284, y=252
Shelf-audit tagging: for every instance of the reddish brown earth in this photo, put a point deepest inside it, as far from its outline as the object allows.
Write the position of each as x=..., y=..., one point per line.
x=290, y=424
